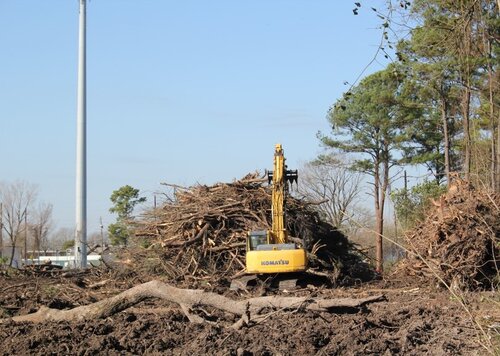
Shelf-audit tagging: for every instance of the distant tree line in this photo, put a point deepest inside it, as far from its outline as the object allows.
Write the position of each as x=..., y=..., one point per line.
x=27, y=229
x=25, y=222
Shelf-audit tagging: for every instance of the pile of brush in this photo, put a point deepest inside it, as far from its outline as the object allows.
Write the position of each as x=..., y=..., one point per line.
x=200, y=233
x=459, y=241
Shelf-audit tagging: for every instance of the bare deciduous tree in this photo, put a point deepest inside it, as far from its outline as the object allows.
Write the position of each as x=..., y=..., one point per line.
x=329, y=181
x=40, y=226
x=60, y=237
x=16, y=197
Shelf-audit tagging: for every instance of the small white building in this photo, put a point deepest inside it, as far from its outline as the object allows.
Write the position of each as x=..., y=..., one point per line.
x=65, y=262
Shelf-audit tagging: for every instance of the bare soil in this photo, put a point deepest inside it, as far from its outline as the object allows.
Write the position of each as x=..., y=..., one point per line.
x=413, y=320
x=198, y=241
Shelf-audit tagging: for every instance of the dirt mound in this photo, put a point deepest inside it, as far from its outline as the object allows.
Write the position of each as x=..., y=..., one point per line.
x=459, y=241
x=200, y=234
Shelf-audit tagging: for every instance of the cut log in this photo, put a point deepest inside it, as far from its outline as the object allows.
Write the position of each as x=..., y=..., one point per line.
x=248, y=309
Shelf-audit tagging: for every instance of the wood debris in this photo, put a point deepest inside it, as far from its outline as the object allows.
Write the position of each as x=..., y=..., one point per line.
x=459, y=241
x=201, y=232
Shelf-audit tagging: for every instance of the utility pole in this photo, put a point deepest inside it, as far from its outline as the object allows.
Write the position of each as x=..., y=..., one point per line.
x=155, y=206
x=25, y=236
x=81, y=147
x=102, y=236
x=1, y=230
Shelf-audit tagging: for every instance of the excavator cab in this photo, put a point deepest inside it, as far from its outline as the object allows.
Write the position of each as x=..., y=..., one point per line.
x=256, y=239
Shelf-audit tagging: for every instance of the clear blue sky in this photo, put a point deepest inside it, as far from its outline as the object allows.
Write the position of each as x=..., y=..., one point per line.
x=178, y=91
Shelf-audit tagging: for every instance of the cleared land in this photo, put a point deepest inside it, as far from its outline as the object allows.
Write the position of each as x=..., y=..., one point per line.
x=196, y=242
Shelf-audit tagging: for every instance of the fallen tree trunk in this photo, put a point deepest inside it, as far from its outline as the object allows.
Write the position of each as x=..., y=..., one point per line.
x=248, y=309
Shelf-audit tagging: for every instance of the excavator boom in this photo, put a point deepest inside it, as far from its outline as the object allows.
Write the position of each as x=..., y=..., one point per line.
x=270, y=251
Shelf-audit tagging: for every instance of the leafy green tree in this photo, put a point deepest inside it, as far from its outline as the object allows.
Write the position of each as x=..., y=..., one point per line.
x=412, y=204
x=124, y=201
x=118, y=233
x=369, y=122
x=68, y=244
x=430, y=84
x=454, y=44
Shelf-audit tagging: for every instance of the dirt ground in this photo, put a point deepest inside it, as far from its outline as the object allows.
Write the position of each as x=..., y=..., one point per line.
x=413, y=319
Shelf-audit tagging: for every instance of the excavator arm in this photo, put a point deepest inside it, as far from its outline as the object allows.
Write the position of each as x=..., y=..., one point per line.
x=279, y=178
x=270, y=251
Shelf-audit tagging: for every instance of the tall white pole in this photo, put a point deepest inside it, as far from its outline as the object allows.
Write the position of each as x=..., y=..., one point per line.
x=81, y=148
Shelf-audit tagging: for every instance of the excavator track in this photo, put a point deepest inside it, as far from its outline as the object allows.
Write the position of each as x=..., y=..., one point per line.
x=243, y=283
x=281, y=281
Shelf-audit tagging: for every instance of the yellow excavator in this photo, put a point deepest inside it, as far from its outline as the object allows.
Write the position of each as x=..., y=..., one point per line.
x=270, y=251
